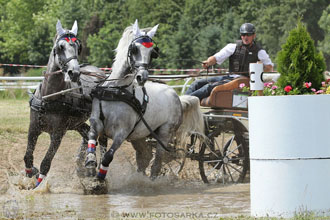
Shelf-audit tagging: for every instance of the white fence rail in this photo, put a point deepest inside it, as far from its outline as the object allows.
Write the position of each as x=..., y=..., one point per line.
x=19, y=82
x=22, y=82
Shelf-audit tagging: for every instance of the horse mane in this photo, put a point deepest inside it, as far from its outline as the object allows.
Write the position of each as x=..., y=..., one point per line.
x=51, y=57
x=120, y=62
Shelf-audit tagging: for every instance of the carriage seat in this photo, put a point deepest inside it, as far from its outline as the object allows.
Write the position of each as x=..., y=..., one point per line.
x=222, y=96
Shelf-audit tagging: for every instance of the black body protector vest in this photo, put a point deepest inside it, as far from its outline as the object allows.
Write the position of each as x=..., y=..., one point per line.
x=244, y=55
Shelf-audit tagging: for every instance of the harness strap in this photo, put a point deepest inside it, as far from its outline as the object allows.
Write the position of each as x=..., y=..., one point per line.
x=36, y=104
x=68, y=104
x=120, y=94
x=68, y=60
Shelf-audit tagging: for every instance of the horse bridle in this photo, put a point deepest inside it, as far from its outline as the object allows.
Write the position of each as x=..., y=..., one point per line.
x=71, y=39
x=132, y=49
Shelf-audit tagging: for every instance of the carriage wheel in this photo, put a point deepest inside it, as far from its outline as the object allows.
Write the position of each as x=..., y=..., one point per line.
x=225, y=159
x=172, y=163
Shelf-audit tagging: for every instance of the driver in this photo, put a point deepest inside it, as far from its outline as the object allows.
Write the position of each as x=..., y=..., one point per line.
x=240, y=54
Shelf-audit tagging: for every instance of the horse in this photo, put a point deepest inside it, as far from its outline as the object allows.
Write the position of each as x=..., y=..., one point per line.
x=55, y=114
x=128, y=107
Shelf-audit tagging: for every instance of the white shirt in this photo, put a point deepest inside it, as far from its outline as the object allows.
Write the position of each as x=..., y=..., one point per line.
x=229, y=49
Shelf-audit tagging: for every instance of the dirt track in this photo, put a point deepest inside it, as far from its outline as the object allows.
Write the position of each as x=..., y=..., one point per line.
x=62, y=194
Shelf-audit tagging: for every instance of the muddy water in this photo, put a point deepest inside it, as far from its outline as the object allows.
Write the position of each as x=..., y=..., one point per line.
x=158, y=201
x=131, y=195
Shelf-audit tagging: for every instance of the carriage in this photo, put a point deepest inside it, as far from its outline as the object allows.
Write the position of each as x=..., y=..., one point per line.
x=222, y=151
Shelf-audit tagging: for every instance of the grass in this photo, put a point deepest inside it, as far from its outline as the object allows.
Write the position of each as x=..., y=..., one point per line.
x=14, y=115
x=35, y=72
x=15, y=118
x=14, y=94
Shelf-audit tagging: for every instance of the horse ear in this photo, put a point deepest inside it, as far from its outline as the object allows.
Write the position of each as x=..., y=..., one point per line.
x=152, y=32
x=136, y=29
x=59, y=28
x=74, y=29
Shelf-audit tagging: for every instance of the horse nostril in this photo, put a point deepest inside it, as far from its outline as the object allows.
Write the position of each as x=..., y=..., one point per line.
x=74, y=75
x=139, y=79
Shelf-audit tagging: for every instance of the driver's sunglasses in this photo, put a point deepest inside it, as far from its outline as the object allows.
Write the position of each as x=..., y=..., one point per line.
x=247, y=34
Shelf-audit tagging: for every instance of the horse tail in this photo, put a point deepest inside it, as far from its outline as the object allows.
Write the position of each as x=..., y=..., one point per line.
x=192, y=120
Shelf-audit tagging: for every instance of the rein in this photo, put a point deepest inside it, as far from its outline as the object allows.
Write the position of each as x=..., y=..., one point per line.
x=95, y=74
x=63, y=63
x=53, y=73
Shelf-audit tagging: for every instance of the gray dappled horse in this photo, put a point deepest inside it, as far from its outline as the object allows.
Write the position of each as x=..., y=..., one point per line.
x=119, y=117
x=60, y=113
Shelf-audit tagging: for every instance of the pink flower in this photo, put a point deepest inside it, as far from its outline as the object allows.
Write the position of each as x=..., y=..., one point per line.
x=308, y=84
x=313, y=90
x=274, y=87
x=319, y=92
x=323, y=84
x=287, y=88
x=242, y=85
x=268, y=84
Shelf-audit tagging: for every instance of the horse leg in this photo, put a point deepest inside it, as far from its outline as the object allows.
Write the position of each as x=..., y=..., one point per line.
x=143, y=154
x=33, y=134
x=91, y=162
x=103, y=141
x=55, y=141
x=108, y=157
x=165, y=134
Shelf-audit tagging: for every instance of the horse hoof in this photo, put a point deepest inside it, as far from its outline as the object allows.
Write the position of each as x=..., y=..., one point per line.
x=90, y=165
x=94, y=186
x=91, y=160
x=33, y=172
x=90, y=171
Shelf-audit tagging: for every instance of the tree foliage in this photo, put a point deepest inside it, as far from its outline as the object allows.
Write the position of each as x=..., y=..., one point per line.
x=298, y=61
x=324, y=44
x=189, y=30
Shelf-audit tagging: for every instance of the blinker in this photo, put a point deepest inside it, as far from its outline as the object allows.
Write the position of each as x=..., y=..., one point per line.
x=72, y=39
x=145, y=41
x=68, y=37
x=147, y=44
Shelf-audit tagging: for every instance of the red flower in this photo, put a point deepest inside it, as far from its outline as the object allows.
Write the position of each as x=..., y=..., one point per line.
x=308, y=84
x=287, y=88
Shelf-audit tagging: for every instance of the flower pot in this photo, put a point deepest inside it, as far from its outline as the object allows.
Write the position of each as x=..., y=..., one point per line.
x=289, y=155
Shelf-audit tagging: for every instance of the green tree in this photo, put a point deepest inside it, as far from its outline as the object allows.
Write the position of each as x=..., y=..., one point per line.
x=324, y=45
x=213, y=37
x=113, y=17
x=202, y=31
x=180, y=50
x=298, y=61
x=15, y=28
x=275, y=19
x=167, y=14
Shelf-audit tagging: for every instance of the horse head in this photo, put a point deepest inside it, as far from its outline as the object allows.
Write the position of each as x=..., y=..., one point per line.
x=66, y=50
x=141, y=51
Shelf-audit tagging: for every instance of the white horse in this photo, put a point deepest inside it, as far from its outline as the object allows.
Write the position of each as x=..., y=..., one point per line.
x=166, y=114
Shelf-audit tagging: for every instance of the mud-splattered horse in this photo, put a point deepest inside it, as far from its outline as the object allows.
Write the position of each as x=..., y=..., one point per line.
x=60, y=113
x=118, y=105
